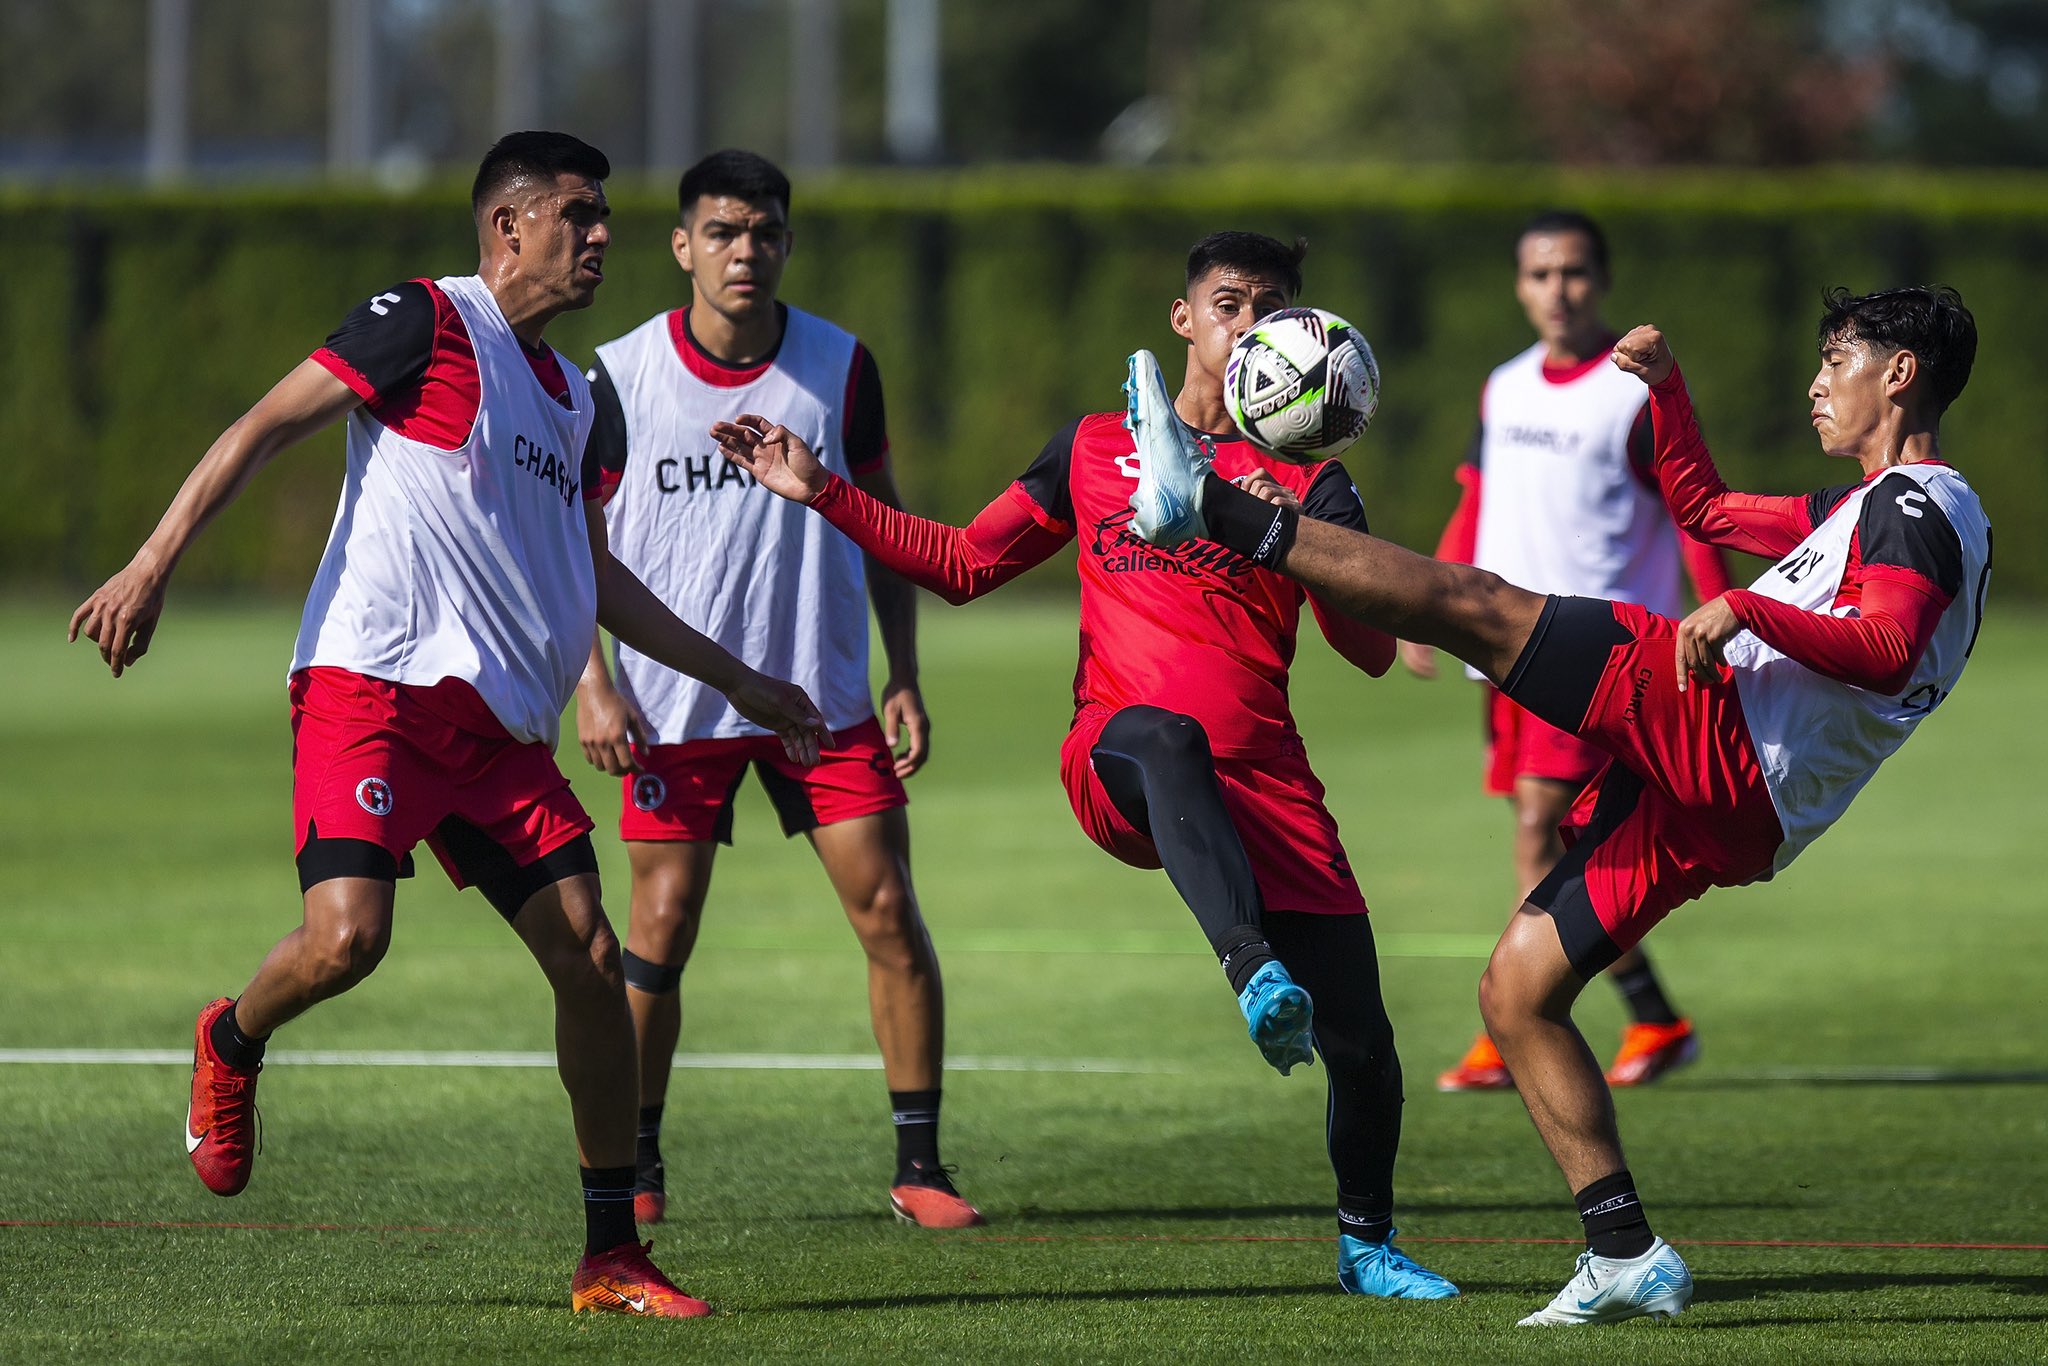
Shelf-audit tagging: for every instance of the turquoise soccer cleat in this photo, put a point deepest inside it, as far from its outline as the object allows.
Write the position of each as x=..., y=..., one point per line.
x=1386, y=1271
x=1655, y=1285
x=1166, y=509
x=1279, y=1016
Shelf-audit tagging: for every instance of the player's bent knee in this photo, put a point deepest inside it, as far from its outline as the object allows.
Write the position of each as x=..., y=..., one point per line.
x=349, y=952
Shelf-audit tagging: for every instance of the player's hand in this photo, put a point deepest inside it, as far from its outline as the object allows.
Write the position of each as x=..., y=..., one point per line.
x=1261, y=484
x=1700, y=638
x=121, y=617
x=776, y=456
x=785, y=709
x=1645, y=354
x=608, y=727
x=904, y=722
x=1420, y=658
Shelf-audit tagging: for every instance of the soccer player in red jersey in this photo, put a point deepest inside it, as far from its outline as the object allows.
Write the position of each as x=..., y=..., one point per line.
x=1183, y=753
x=1737, y=736
x=1559, y=496
x=451, y=615
x=754, y=572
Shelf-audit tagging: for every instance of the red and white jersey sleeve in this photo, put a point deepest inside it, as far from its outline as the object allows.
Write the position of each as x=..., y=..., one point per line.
x=460, y=548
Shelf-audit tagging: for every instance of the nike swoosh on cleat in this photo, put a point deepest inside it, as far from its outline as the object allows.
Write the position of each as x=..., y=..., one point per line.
x=192, y=1140
x=638, y=1304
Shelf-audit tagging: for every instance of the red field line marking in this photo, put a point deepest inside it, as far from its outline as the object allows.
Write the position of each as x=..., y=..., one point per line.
x=1508, y=1242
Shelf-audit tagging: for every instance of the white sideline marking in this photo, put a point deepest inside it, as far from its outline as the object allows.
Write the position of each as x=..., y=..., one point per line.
x=738, y=1062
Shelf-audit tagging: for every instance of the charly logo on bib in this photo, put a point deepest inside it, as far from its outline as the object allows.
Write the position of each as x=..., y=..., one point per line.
x=374, y=796
x=649, y=791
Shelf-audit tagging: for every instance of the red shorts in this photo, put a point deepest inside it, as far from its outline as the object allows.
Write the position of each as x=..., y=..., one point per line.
x=1682, y=808
x=1522, y=745
x=685, y=791
x=1276, y=804
x=392, y=764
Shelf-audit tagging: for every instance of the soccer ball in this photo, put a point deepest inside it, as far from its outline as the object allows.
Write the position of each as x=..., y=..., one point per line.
x=1301, y=384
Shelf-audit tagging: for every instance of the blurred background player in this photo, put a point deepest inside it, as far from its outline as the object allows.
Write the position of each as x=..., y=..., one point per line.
x=440, y=642
x=1183, y=753
x=755, y=573
x=1740, y=735
x=1560, y=496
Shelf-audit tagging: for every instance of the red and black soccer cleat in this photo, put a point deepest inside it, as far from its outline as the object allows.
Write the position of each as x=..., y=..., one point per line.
x=622, y=1281
x=1648, y=1051
x=1481, y=1070
x=221, y=1133
x=928, y=1200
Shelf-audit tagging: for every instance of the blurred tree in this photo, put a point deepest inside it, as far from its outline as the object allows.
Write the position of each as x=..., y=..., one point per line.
x=1971, y=77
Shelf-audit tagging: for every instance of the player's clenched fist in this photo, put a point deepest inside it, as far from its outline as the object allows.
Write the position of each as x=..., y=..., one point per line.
x=1645, y=354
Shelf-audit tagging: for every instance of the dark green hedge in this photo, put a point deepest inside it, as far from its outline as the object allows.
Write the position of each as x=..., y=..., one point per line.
x=998, y=306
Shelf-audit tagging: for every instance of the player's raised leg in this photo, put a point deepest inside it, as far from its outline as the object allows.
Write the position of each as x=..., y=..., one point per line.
x=564, y=926
x=1157, y=770
x=868, y=861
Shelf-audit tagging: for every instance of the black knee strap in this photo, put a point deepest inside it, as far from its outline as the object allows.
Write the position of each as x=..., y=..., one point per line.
x=652, y=978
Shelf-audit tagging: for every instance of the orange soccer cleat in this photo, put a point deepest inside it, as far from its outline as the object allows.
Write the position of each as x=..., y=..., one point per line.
x=1482, y=1070
x=221, y=1133
x=928, y=1200
x=1648, y=1051
x=622, y=1281
x=649, y=1207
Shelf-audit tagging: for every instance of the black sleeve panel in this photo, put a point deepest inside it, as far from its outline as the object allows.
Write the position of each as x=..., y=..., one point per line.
x=388, y=339
x=606, y=453
x=867, y=423
x=1333, y=498
x=1901, y=526
x=1047, y=479
x=1821, y=502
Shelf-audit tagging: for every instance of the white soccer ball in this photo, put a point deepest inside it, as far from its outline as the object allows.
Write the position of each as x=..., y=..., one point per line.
x=1301, y=385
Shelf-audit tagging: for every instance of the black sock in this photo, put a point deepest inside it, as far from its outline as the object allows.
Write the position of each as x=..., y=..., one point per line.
x=607, y=1208
x=1243, y=952
x=1645, y=996
x=236, y=1049
x=1613, y=1215
x=1371, y=1228
x=648, y=1174
x=1249, y=525
x=916, y=1114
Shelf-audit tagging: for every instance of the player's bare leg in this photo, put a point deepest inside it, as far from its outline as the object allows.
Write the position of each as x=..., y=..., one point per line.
x=867, y=859
x=670, y=882
x=345, y=929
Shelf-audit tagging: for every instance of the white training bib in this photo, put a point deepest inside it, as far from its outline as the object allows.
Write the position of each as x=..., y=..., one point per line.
x=472, y=563
x=768, y=579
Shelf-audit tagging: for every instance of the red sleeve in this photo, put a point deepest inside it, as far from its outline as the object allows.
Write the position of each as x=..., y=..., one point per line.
x=1006, y=538
x=1460, y=541
x=1706, y=566
x=1362, y=646
x=1876, y=650
x=1699, y=501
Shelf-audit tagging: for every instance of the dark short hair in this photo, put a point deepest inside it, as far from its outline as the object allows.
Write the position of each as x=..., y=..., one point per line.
x=534, y=155
x=747, y=176
x=1251, y=252
x=1566, y=220
x=1928, y=320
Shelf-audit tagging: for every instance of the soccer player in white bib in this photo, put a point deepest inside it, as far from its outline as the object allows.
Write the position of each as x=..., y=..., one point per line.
x=451, y=614
x=763, y=577
x=1560, y=496
x=1737, y=736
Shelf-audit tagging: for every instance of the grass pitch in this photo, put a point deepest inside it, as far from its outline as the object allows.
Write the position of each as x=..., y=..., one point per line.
x=1865, y=1127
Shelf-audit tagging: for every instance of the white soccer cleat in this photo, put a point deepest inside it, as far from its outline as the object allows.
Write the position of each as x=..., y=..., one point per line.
x=1166, y=509
x=1655, y=1285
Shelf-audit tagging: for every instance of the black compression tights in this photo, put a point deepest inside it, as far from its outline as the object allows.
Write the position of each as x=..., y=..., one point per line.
x=1156, y=767
x=1333, y=956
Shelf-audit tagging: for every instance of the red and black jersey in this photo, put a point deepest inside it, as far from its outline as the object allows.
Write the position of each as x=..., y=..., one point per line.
x=1198, y=629
x=409, y=356
x=865, y=424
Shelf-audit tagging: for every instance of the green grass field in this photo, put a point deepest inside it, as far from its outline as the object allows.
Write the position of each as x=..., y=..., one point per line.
x=1867, y=1123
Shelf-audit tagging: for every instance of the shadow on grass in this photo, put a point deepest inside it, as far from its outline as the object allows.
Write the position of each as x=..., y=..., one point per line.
x=1725, y=1289
x=1903, y=1077
x=1120, y=1293
x=1039, y=1218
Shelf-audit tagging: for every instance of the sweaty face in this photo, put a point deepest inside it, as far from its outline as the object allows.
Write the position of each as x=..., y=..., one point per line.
x=1560, y=286
x=1221, y=307
x=734, y=253
x=563, y=236
x=1850, y=393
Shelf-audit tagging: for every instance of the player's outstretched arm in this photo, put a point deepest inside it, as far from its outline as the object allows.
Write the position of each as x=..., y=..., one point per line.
x=957, y=563
x=121, y=616
x=629, y=610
